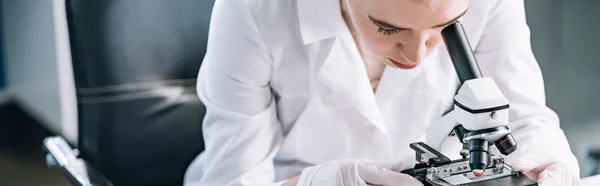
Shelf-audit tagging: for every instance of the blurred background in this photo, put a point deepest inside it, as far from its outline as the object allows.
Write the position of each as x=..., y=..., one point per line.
x=38, y=97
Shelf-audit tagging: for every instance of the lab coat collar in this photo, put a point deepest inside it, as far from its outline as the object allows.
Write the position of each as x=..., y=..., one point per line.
x=343, y=69
x=344, y=72
x=319, y=19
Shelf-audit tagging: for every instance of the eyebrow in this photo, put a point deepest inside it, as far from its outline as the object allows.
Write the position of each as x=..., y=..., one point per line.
x=389, y=25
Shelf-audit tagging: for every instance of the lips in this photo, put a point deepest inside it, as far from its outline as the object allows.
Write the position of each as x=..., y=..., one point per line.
x=403, y=66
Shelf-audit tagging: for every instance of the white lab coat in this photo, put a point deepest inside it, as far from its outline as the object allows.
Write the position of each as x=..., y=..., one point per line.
x=285, y=88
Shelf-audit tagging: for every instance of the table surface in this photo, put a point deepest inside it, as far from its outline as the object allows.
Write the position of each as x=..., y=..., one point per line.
x=591, y=181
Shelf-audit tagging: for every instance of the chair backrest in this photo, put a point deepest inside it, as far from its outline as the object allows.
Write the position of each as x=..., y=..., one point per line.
x=135, y=65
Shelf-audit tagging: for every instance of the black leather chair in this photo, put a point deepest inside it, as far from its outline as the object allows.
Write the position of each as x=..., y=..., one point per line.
x=135, y=65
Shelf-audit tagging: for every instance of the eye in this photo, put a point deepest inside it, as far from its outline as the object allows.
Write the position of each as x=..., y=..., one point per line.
x=446, y=25
x=388, y=31
x=385, y=28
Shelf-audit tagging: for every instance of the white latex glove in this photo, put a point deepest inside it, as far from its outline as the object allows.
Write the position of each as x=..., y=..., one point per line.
x=547, y=172
x=357, y=173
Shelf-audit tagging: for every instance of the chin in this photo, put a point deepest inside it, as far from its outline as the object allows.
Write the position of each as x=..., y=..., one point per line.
x=405, y=66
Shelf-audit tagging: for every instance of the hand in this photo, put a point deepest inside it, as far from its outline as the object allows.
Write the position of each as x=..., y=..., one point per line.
x=291, y=182
x=546, y=172
x=357, y=172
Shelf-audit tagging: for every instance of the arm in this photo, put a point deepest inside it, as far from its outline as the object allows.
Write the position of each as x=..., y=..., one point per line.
x=241, y=130
x=504, y=53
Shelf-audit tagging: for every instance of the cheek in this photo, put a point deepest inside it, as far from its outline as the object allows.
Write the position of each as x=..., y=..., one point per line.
x=381, y=44
x=374, y=41
x=433, y=42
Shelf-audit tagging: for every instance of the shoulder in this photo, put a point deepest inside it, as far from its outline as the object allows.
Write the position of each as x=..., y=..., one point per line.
x=263, y=12
x=260, y=10
x=278, y=24
x=477, y=19
x=271, y=17
x=276, y=19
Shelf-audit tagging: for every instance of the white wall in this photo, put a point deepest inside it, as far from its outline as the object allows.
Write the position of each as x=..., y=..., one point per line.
x=37, y=62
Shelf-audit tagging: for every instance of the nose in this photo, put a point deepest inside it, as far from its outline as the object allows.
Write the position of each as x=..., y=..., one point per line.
x=415, y=47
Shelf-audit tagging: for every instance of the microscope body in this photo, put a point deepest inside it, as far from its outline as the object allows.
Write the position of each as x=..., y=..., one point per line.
x=479, y=119
x=480, y=104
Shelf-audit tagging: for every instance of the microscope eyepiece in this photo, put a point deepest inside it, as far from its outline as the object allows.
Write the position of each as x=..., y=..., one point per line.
x=460, y=52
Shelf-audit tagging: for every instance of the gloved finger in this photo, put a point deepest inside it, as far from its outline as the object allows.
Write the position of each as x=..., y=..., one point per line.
x=558, y=174
x=531, y=167
x=399, y=166
x=374, y=175
x=308, y=174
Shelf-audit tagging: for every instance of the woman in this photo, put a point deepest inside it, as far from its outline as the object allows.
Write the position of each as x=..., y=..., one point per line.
x=327, y=92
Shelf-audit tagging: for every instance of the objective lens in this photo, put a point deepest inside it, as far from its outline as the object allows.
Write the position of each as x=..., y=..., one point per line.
x=478, y=154
x=506, y=144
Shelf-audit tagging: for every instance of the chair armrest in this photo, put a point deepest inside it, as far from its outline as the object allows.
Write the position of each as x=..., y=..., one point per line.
x=77, y=171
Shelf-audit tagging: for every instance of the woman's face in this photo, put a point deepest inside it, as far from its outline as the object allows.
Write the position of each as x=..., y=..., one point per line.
x=400, y=33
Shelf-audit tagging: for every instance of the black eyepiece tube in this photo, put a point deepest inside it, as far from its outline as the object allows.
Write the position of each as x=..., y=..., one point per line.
x=460, y=52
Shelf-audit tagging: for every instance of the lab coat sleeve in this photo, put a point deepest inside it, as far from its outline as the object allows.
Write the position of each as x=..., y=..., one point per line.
x=241, y=130
x=504, y=53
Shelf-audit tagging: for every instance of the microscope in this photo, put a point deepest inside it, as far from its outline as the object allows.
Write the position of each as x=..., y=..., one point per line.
x=479, y=120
